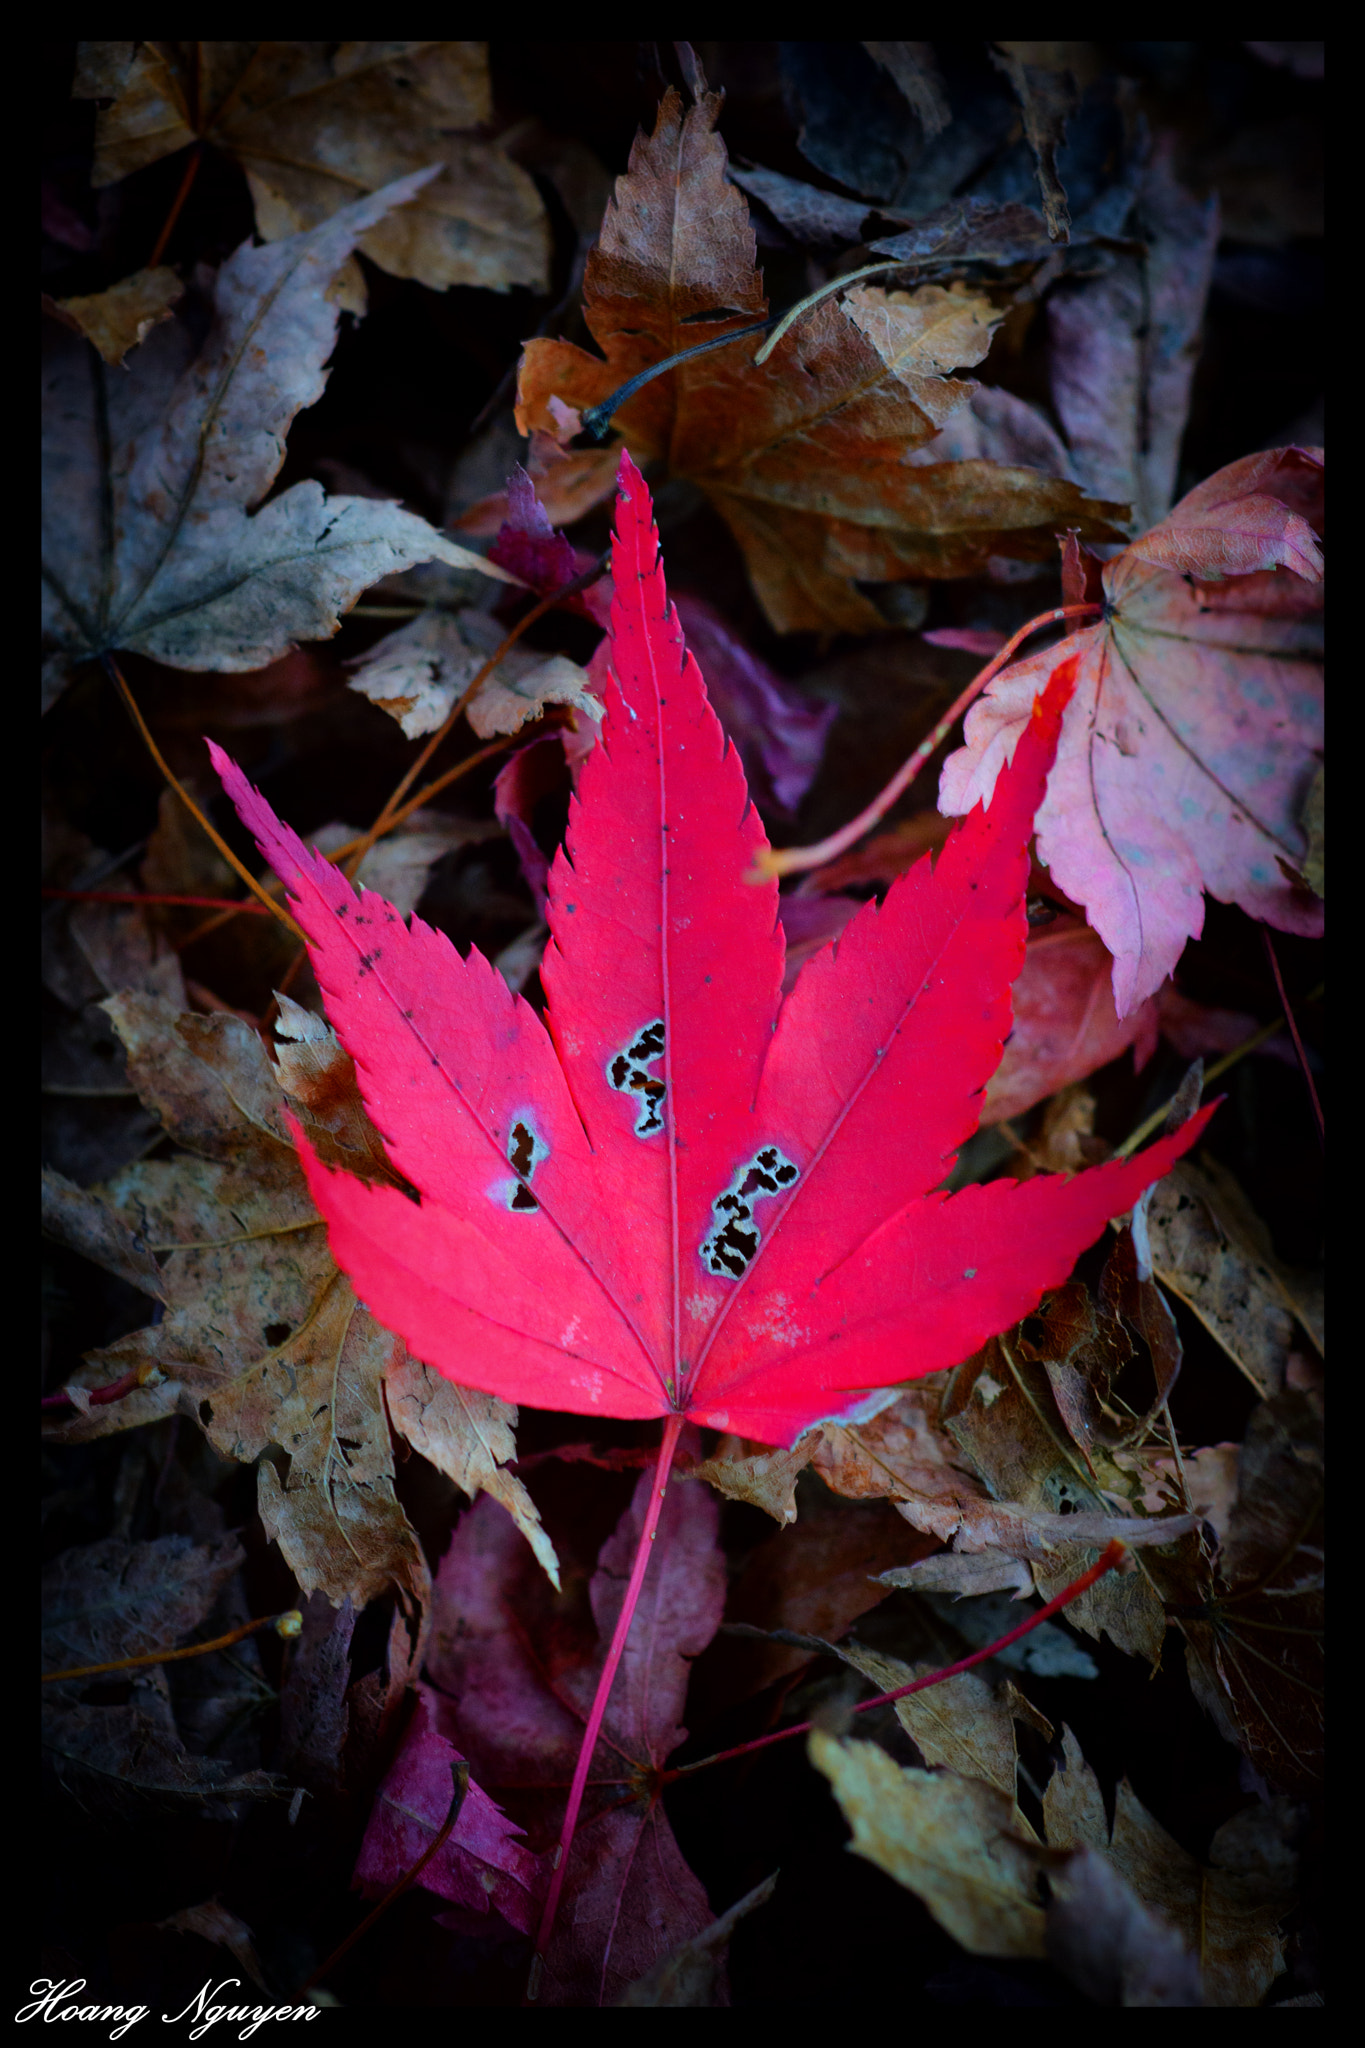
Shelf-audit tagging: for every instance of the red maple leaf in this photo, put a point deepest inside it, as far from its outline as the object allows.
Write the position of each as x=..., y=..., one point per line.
x=679, y=1199
x=688, y=1197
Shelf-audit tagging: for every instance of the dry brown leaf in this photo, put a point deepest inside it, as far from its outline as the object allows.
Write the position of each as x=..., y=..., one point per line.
x=957, y=1843
x=264, y=1341
x=315, y=125
x=964, y=1724
x=416, y=674
x=1211, y=1250
x=213, y=1923
x=1041, y=74
x=1001, y=1413
x=114, y=1599
x=1117, y=1952
x=118, y=319
x=694, y=1971
x=150, y=541
x=903, y=1454
x=813, y=1578
x=1226, y=1913
x=399, y=865
x=1252, y=1617
x=766, y=1479
x=805, y=456
x=468, y=1436
x=84, y=1220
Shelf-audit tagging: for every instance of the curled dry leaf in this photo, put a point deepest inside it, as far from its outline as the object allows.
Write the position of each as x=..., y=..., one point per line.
x=416, y=674
x=1214, y=1253
x=804, y=457
x=1041, y=74
x=118, y=319
x=182, y=442
x=1252, y=1617
x=213, y=1923
x=1195, y=726
x=313, y=123
x=1226, y=1913
x=693, y=1974
x=959, y=1844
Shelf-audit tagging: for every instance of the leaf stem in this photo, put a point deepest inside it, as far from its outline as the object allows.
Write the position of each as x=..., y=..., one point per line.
x=597, y=419
x=145, y=897
x=826, y=291
x=1110, y=1558
x=1294, y=1034
x=791, y=860
x=168, y=228
x=287, y=1624
x=1211, y=1074
x=115, y=674
x=113, y=1390
x=667, y=1446
x=460, y=1773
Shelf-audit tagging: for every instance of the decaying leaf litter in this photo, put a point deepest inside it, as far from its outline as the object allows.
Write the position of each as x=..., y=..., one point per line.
x=180, y=1184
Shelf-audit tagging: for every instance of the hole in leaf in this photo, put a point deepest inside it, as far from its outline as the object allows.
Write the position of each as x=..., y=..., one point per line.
x=629, y=1072
x=728, y=1250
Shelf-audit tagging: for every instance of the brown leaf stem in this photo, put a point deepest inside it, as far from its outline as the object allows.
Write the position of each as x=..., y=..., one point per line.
x=597, y=419
x=115, y=674
x=811, y=300
x=168, y=225
x=287, y=1624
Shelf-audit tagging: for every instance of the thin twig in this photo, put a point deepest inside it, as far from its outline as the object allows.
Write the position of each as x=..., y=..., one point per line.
x=825, y=291
x=191, y=172
x=791, y=860
x=112, y=670
x=287, y=1624
x=1112, y=1556
x=460, y=1773
x=1294, y=1034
